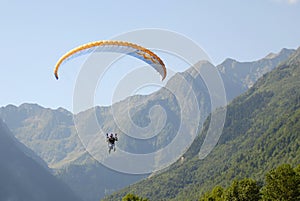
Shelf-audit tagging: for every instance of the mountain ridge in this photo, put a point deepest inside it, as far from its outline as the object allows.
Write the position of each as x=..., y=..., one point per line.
x=52, y=133
x=261, y=131
x=238, y=76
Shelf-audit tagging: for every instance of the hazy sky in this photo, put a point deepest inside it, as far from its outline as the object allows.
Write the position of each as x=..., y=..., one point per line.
x=34, y=34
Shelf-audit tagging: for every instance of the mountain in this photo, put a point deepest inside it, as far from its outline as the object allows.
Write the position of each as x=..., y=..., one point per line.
x=238, y=76
x=50, y=133
x=22, y=178
x=261, y=131
x=53, y=135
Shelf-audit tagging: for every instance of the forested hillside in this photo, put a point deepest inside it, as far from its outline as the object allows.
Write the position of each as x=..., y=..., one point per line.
x=262, y=130
x=280, y=183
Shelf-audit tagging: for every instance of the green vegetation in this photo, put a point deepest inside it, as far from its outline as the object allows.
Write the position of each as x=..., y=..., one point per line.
x=282, y=183
x=262, y=131
x=132, y=197
x=240, y=190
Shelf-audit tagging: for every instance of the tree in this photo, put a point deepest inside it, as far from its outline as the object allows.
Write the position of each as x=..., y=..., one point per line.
x=282, y=183
x=243, y=190
x=132, y=197
x=215, y=195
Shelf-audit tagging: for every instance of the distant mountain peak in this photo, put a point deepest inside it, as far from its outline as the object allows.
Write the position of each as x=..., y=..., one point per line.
x=196, y=68
x=271, y=56
x=229, y=60
x=296, y=53
x=282, y=52
x=30, y=105
x=286, y=50
x=240, y=76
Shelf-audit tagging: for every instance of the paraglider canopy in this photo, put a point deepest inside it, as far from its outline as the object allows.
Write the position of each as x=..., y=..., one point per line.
x=116, y=46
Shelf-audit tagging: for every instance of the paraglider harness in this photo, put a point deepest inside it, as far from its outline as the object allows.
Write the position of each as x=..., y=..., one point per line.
x=111, y=142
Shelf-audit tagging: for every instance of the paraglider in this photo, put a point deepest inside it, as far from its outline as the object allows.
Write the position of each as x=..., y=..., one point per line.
x=116, y=46
x=119, y=47
x=111, y=139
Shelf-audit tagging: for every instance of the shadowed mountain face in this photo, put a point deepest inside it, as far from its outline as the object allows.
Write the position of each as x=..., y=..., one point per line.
x=49, y=133
x=22, y=178
x=53, y=135
x=261, y=131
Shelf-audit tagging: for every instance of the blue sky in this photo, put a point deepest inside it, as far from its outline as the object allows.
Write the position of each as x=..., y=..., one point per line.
x=34, y=34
